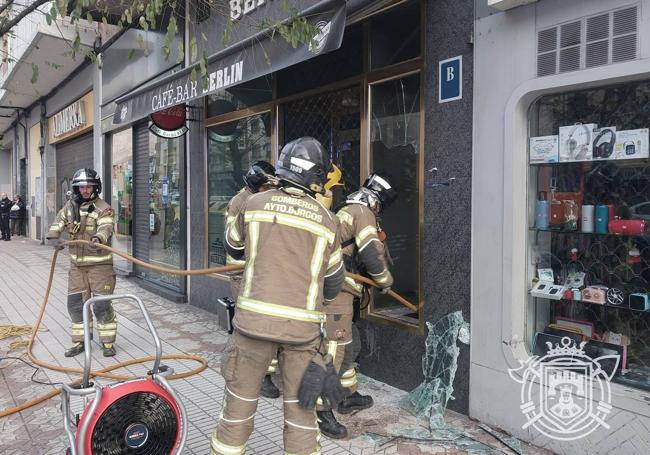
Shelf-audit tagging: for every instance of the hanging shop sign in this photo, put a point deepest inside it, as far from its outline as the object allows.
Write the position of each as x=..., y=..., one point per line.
x=250, y=58
x=71, y=121
x=169, y=123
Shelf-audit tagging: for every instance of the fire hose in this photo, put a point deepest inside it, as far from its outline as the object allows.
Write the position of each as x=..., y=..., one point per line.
x=106, y=372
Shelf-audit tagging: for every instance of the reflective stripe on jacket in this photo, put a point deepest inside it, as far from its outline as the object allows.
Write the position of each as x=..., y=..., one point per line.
x=291, y=245
x=359, y=223
x=95, y=220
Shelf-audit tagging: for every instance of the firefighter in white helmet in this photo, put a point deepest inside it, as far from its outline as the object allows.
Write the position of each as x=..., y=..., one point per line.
x=364, y=253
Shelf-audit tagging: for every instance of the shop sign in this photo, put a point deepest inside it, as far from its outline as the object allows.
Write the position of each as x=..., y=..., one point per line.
x=69, y=119
x=169, y=123
x=248, y=59
x=450, y=79
x=73, y=120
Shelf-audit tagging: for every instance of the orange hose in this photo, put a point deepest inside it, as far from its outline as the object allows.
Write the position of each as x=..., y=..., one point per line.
x=105, y=372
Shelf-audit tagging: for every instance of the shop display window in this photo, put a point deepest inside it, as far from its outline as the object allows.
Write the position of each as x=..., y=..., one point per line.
x=166, y=209
x=395, y=149
x=588, y=266
x=232, y=148
x=395, y=36
x=121, y=195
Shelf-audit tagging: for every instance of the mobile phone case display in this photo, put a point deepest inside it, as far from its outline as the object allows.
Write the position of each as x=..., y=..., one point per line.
x=592, y=277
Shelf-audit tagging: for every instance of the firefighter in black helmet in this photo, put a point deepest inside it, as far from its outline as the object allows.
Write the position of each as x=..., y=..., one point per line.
x=363, y=252
x=293, y=267
x=256, y=180
x=88, y=217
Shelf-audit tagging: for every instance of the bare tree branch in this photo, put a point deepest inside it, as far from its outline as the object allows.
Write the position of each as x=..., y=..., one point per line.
x=8, y=25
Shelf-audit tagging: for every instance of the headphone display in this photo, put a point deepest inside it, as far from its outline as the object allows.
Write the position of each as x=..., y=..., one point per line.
x=604, y=149
x=578, y=150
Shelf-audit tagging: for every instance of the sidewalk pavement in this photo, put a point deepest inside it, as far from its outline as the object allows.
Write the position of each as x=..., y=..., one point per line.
x=24, y=268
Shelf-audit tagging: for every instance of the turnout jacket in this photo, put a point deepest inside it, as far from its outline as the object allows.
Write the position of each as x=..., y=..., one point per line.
x=235, y=207
x=362, y=247
x=95, y=220
x=292, y=248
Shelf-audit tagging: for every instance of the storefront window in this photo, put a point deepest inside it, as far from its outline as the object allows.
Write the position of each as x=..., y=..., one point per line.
x=589, y=208
x=166, y=208
x=232, y=148
x=395, y=36
x=395, y=149
x=334, y=118
x=122, y=195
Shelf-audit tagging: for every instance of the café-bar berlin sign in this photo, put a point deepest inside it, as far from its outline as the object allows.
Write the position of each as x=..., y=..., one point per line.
x=255, y=56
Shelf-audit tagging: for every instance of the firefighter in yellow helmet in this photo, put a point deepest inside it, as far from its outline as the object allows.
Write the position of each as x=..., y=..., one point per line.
x=294, y=266
x=256, y=180
x=88, y=217
x=363, y=252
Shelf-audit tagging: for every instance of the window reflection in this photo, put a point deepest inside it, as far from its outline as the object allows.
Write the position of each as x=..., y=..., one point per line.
x=232, y=147
x=122, y=195
x=394, y=149
x=165, y=207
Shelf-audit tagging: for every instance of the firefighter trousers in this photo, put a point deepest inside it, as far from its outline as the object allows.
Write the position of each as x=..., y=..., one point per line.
x=235, y=286
x=87, y=281
x=343, y=345
x=244, y=365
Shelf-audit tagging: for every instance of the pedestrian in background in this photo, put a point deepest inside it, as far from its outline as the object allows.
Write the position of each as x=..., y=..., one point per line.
x=17, y=216
x=5, y=209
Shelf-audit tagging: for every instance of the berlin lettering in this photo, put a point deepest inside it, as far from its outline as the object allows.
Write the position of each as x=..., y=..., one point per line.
x=239, y=8
x=225, y=77
x=69, y=119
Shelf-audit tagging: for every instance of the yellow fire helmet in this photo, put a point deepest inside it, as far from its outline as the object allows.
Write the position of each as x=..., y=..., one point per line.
x=334, y=178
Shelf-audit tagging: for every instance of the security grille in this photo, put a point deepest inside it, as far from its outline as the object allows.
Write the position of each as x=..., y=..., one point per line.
x=606, y=38
x=334, y=119
x=71, y=156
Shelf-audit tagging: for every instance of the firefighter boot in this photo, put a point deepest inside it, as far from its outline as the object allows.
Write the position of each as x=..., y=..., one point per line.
x=109, y=349
x=269, y=390
x=329, y=426
x=77, y=349
x=355, y=402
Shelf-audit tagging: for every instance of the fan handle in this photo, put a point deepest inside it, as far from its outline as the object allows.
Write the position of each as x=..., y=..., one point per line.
x=86, y=316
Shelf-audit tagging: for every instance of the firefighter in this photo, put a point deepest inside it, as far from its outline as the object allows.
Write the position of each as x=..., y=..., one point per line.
x=86, y=216
x=294, y=266
x=363, y=252
x=256, y=180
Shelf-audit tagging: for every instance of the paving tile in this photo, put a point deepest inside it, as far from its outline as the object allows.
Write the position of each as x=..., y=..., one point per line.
x=183, y=329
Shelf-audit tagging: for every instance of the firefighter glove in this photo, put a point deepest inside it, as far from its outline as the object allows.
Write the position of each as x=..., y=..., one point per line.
x=95, y=241
x=332, y=388
x=57, y=244
x=312, y=382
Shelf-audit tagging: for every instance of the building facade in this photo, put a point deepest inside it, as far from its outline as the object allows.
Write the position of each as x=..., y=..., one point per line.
x=560, y=161
x=373, y=99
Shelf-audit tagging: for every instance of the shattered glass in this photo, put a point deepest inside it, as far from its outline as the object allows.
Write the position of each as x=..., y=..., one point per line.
x=429, y=400
x=439, y=363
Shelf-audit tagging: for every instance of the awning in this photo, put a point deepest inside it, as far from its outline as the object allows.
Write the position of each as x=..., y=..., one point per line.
x=246, y=60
